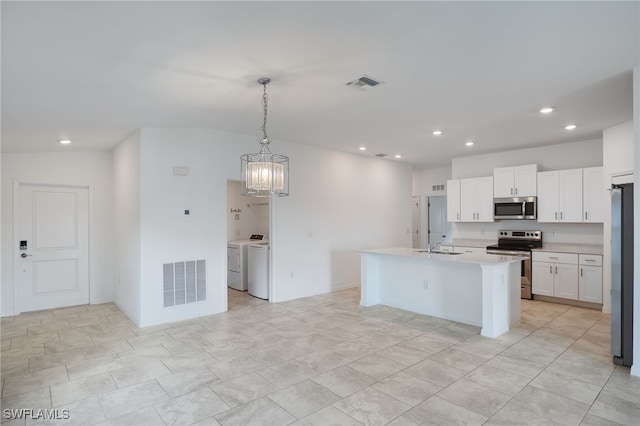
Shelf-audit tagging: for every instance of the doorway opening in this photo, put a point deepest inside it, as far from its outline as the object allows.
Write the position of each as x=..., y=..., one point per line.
x=439, y=230
x=248, y=247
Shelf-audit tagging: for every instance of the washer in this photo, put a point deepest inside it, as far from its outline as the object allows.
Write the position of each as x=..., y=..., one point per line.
x=259, y=254
x=237, y=261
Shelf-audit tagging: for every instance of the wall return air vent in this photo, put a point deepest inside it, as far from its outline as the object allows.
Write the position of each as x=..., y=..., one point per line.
x=364, y=82
x=184, y=282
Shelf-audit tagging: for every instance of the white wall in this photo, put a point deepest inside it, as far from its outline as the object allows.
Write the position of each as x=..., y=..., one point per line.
x=126, y=190
x=552, y=157
x=424, y=180
x=617, y=155
x=166, y=235
x=254, y=217
x=340, y=203
x=89, y=168
x=316, y=231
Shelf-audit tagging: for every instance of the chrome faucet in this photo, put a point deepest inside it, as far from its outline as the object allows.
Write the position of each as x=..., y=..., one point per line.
x=432, y=246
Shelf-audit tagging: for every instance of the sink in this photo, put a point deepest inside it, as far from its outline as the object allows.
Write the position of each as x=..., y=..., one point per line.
x=439, y=252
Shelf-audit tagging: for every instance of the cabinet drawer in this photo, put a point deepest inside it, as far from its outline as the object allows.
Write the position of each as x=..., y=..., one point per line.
x=547, y=256
x=590, y=259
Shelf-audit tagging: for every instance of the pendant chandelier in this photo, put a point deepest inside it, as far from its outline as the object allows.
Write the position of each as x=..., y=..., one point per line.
x=264, y=174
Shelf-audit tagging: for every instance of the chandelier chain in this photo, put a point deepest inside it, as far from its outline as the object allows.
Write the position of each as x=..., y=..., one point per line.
x=265, y=99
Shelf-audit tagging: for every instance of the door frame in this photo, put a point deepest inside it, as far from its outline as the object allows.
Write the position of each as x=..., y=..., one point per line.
x=17, y=308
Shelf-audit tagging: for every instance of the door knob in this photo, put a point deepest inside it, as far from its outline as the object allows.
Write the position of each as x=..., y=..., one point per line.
x=23, y=255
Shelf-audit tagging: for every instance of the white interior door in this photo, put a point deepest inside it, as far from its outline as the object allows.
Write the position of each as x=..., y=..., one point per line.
x=51, y=228
x=438, y=226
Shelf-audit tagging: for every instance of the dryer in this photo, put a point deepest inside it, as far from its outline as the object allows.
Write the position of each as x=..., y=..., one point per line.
x=237, y=260
x=259, y=270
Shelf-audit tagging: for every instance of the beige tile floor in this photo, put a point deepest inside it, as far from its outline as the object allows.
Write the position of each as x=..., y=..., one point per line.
x=322, y=360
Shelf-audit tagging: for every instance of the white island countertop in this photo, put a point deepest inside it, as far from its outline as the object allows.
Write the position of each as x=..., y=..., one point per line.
x=478, y=289
x=475, y=258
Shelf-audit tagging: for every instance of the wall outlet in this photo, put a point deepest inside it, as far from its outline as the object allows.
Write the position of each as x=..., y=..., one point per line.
x=425, y=284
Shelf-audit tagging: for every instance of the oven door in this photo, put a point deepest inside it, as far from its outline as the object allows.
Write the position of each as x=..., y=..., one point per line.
x=525, y=269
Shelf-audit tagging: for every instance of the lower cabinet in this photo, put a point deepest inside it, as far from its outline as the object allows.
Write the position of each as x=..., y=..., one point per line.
x=590, y=282
x=567, y=276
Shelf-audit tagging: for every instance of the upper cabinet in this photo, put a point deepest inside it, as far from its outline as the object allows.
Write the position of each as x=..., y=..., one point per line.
x=560, y=196
x=476, y=199
x=518, y=181
x=453, y=200
x=593, y=194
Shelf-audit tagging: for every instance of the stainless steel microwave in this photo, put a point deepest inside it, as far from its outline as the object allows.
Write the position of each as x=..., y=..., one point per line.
x=519, y=208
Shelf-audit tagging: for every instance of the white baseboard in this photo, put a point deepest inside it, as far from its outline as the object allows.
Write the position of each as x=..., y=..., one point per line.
x=101, y=301
x=336, y=287
x=131, y=317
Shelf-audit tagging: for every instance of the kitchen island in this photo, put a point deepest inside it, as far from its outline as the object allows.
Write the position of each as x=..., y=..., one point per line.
x=476, y=289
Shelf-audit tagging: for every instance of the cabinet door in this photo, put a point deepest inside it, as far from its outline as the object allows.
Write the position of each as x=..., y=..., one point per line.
x=525, y=180
x=503, y=182
x=484, y=209
x=593, y=194
x=542, y=278
x=468, y=200
x=453, y=200
x=548, y=197
x=590, y=284
x=565, y=281
x=570, y=202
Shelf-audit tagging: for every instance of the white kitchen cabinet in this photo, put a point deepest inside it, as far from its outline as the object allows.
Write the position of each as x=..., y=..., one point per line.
x=542, y=278
x=590, y=280
x=593, y=195
x=555, y=274
x=453, y=200
x=560, y=196
x=565, y=281
x=517, y=181
x=476, y=199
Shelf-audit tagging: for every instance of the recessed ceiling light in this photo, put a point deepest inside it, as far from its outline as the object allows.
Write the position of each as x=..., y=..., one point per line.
x=469, y=143
x=437, y=132
x=363, y=148
x=570, y=127
x=398, y=156
x=547, y=110
x=65, y=141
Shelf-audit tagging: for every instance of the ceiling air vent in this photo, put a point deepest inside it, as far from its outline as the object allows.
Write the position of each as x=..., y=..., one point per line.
x=381, y=155
x=364, y=82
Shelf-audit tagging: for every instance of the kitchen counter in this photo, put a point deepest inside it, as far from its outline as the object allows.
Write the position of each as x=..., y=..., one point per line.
x=572, y=248
x=473, y=258
x=476, y=289
x=468, y=242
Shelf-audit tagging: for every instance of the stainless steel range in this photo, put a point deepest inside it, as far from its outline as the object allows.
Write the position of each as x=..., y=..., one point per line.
x=519, y=243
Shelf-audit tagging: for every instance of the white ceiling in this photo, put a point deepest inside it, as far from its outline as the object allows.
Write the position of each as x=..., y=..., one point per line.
x=96, y=71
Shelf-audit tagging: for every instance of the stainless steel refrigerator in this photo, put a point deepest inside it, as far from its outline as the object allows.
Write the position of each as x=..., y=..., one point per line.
x=622, y=274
